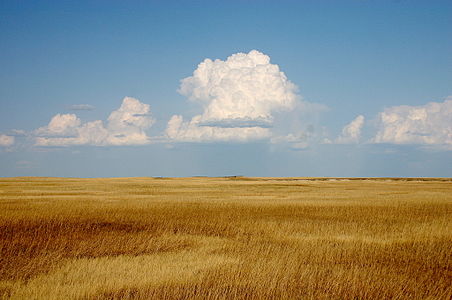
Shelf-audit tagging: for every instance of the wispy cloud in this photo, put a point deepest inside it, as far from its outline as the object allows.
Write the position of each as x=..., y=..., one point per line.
x=18, y=132
x=292, y=141
x=238, y=123
x=81, y=107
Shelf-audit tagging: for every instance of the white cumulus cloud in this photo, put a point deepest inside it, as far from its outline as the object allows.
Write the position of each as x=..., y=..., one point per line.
x=351, y=133
x=61, y=124
x=125, y=126
x=6, y=140
x=429, y=124
x=238, y=97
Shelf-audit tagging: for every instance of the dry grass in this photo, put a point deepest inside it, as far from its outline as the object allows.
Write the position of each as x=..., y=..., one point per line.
x=225, y=238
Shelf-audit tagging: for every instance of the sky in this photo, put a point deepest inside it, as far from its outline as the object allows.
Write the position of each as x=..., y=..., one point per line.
x=219, y=88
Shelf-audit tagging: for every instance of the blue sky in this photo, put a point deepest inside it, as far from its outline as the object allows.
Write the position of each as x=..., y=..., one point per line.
x=333, y=88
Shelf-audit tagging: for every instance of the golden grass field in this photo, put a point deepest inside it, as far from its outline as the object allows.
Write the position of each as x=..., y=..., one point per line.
x=225, y=238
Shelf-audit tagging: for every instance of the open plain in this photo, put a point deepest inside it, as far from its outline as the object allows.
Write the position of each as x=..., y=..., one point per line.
x=225, y=238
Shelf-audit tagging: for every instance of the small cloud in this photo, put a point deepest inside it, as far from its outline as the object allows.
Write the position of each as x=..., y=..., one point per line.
x=6, y=140
x=81, y=107
x=60, y=125
x=351, y=133
x=428, y=125
x=125, y=126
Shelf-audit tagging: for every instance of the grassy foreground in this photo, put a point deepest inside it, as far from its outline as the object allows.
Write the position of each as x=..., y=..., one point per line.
x=225, y=238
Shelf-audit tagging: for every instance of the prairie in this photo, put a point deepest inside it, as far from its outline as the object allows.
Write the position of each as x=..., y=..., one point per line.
x=225, y=238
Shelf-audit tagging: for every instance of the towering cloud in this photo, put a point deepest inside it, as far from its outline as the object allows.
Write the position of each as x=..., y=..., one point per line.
x=6, y=140
x=351, y=132
x=125, y=126
x=238, y=97
x=430, y=124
